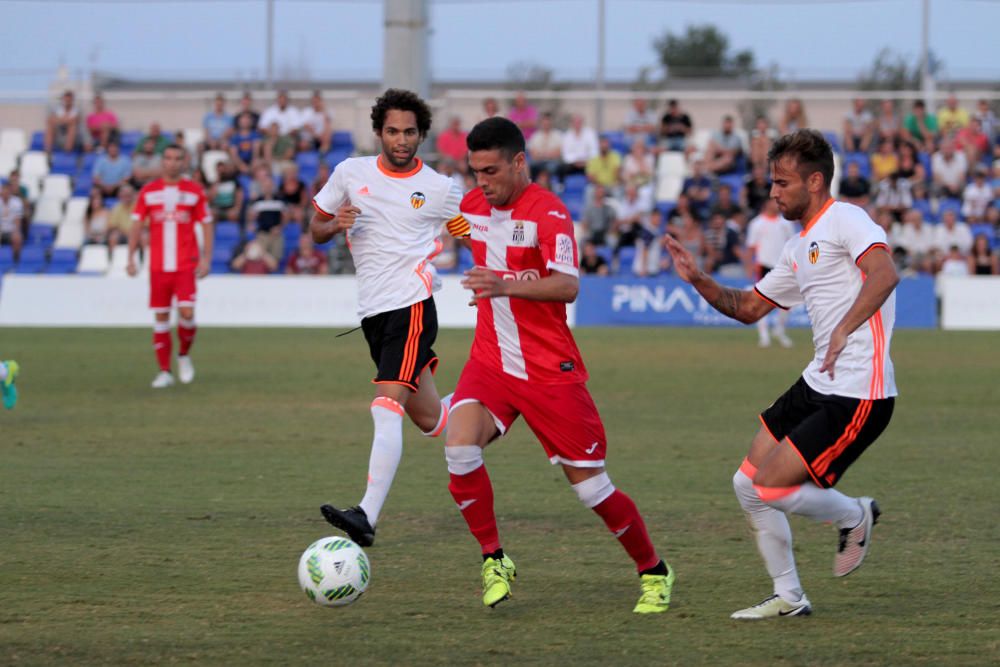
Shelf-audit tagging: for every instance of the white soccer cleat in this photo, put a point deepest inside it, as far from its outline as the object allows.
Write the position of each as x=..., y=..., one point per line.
x=162, y=380
x=784, y=340
x=774, y=607
x=854, y=542
x=185, y=369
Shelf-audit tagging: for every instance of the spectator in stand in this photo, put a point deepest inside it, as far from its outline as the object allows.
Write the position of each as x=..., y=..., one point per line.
x=598, y=217
x=277, y=149
x=447, y=167
x=987, y=120
x=490, y=108
x=699, y=187
x=160, y=140
x=306, y=260
x=915, y=239
x=794, y=117
x=63, y=126
x=855, y=188
x=579, y=145
x=451, y=142
x=952, y=232
x=727, y=206
x=97, y=223
x=246, y=106
x=994, y=182
x=146, y=163
x=21, y=192
x=632, y=227
x=544, y=180
x=675, y=128
x=910, y=167
x=638, y=165
x=102, y=124
x=951, y=118
x=244, y=145
x=950, y=169
x=973, y=142
x=761, y=137
x=887, y=124
x=687, y=230
x=225, y=196
x=640, y=122
x=983, y=260
x=281, y=113
x=977, y=197
x=885, y=161
x=322, y=176
x=11, y=216
x=267, y=212
x=316, y=125
x=724, y=250
x=725, y=149
x=894, y=195
x=120, y=218
x=524, y=115
x=859, y=128
x=756, y=189
x=253, y=259
x=111, y=170
x=592, y=263
x=218, y=125
x=954, y=262
x=920, y=128
x=545, y=148
x=295, y=195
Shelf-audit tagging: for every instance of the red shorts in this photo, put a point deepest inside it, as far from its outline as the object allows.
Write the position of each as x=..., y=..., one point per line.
x=165, y=285
x=562, y=416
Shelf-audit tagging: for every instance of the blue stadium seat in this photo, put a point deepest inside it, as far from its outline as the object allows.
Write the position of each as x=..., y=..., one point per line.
x=735, y=183
x=342, y=140
x=925, y=159
x=87, y=161
x=336, y=156
x=63, y=258
x=606, y=252
x=574, y=204
x=59, y=269
x=863, y=161
x=245, y=180
x=129, y=141
x=834, y=139
x=949, y=204
x=292, y=233
x=82, y=184
x=37, y=141
x=41, y=235
x=32, y=259
x=63, y=163
x=6, y=258
x=666, y=209
x=618, y=141
x=227, y=230
x=574, y=183
x=626, y=256
x=924, y=206
x=986, y=230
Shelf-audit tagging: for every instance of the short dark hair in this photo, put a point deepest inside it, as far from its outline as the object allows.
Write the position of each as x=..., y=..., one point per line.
x=810, y=151
x=401, y=100
x=176, y=147
x=496, y=133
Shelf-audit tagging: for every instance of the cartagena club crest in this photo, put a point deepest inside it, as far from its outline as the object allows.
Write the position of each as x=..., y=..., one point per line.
x=813, y=252
x=417, y=199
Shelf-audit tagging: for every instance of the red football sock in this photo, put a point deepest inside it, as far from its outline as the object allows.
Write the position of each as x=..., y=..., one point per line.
x=623, y=519
x=186, y=330
x=474, y=495
x=163, y=345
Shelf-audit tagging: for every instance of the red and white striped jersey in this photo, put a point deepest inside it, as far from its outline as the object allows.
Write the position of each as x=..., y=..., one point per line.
x=529, y=340
x=819, y=267
x=172, y=209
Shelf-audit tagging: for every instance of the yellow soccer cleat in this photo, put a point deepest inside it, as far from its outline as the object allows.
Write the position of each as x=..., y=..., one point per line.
x=656, y=589
x=497, y=575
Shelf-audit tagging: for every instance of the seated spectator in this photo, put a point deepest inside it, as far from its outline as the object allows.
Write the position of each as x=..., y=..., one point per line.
x=894, y=195
x=973, y=141
x=267, y=213
x=675, y=128
x=544, y=180
x=276, y=148
x=111, y=170
x=855, y=188
x=218, y=125
x=640, y=122
x=920, y=128
x=246, y=107
x=698, y=188
x=579, y=145
x=524, y=115
x=590, y=262
x=950, y=170
x=146, y=163
x=120, y=218
x=63, y=126
x=977, y=197
x=490, y=108
x=632, y=228
x=322, y=176
x=160, y=140
x=884, y=162
x=244, y=144
x=225, y=196
x=598, y=217
x=687, y=230
x=761, y=137
x=793, y=118
x=724, y=250
x=450, y=142
x=11, y=216
x=102, y=124
x=725, y=149
x=951, y=118
x=638, y=165
x=97, y=222
x=987, y=120
x=887, y=125
x=307, y=261
x=281, y=113
x=295, y=195
x=952, y=232
x=605, y=167
x=316, y=124
x=916, y=241
x=910, y=166
x=859, y=128
x=726, y=206
x=21, y=192
x=254, y=259
x=756, y=188
x=545, y=147
x=983, y=260
x=954, y=262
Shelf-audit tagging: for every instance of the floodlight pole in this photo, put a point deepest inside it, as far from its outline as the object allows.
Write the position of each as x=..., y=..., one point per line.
x=270, y=43
x=600, y=65
x=926, y=78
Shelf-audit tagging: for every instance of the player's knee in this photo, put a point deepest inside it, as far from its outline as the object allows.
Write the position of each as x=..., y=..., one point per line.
x=463, y=459
x=594, y=490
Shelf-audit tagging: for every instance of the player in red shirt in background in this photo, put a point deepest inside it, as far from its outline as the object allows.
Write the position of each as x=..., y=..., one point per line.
x=524, y=361
x=171, y=206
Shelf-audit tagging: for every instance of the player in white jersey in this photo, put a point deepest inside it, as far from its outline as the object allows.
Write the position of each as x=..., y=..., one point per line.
x=842, y=269
x=392, y=208
x=766, y=237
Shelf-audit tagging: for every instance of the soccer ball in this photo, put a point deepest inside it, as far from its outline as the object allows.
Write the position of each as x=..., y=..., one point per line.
x=334, y=571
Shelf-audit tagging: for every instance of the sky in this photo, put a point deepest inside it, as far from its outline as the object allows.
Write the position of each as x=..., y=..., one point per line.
x=477, y=39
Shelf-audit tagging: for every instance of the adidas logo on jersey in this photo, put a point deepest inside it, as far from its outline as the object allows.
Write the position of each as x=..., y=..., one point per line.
x=364, y=190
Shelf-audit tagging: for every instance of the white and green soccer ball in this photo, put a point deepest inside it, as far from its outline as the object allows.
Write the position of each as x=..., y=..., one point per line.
x=334, y=571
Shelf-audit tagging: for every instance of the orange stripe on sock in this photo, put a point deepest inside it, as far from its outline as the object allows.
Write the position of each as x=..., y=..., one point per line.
x=442, y=423
x=769, y=493
x=388, y=404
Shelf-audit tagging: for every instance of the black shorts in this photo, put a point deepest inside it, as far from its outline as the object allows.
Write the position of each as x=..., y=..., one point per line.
x=829, y=432
x=400, y=343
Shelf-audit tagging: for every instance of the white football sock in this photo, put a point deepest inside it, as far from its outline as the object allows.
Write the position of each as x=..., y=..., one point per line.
x=387, y=450
x=763, y=335
x=819, y=504
x=3, y=371
x=779, y=322
x=773, y=536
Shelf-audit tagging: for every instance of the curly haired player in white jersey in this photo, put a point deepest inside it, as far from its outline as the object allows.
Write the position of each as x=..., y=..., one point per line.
x=841, y=268
x=392, y=208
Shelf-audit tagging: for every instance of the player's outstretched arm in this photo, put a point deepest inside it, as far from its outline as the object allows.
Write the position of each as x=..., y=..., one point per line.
x=880, y=279
x=741, y=305
x=485, y=284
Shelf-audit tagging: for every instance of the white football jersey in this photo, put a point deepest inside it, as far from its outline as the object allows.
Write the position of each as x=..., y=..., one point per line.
x=767, y=237
x=397, y=232
x=819, y=267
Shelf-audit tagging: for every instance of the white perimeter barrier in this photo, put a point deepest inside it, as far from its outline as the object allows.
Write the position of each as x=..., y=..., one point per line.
x=970, y=302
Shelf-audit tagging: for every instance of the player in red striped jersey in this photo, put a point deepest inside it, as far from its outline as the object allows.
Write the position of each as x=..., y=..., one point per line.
x=171, y=206
x=841, y=268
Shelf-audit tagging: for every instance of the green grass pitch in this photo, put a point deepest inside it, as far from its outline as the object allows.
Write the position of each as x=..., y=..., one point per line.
x=142, y=527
